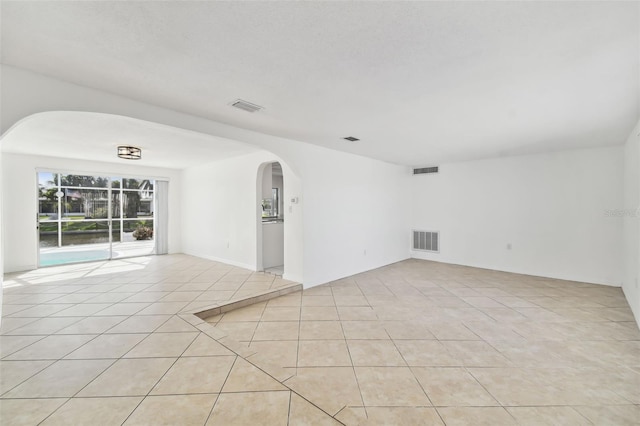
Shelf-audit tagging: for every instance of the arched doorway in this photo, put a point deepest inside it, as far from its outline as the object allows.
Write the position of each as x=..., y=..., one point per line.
x=271, y=218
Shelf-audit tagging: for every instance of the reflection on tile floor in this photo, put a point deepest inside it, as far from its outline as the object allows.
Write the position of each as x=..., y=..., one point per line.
x=412, y=343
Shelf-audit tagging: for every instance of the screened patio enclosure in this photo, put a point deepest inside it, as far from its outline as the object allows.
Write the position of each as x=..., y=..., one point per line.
x=85, y=217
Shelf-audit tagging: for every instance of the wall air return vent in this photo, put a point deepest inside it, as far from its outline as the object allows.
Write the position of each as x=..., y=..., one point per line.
x=425, y=170
x=426, y=241
x=246, y=106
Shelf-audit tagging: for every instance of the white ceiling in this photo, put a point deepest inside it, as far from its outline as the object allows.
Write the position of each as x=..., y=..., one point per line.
x=93, y=136
x=419, y=83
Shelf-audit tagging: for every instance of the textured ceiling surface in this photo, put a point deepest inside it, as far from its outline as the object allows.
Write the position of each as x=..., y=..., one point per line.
x=419, y=83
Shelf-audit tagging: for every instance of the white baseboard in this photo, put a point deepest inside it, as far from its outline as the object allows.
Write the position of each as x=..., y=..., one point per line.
x=432, y=258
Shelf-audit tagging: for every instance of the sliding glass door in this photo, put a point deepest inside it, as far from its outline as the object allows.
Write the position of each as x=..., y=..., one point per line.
x=86, y=218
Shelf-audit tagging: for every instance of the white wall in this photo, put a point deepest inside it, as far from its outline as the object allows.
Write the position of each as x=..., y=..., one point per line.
x=551, y=208
x=631, y=219
x=219, y=202
x=356, y=214
x=1, y=244
x=20, y=204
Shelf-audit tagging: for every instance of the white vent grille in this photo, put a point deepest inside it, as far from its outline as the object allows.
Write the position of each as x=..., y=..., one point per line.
x=424, y=170
x=426, y=241
x=246, y=106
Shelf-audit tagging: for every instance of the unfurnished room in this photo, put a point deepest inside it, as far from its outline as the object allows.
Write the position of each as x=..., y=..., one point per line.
x=319, y=213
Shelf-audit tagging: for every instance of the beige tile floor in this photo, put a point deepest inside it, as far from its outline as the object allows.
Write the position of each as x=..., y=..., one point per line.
x=426, y=343
x=113, y=343
x=412, y=343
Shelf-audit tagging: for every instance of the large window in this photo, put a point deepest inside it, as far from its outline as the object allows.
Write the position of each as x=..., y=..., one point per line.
x=83, y=217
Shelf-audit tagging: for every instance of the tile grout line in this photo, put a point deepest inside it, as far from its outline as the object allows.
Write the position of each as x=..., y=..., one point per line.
x=109, y=366
x=34, y=374
x=353, y=368
x=299, y=329
x=289, y=409
x=416, y=379
x=161, y=377
x=257, y=325
x=221, y=388
x=80, y=390
x=42, y=337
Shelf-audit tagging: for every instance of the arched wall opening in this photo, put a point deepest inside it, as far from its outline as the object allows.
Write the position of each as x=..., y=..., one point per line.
x=279, y=225
x=270, y=217
x=86, y=141
x=277, y=211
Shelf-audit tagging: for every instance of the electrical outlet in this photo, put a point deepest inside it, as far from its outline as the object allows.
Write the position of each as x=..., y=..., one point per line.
x=365, y=252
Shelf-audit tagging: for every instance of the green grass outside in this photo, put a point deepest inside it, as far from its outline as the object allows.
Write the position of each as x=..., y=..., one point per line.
x=90, y=226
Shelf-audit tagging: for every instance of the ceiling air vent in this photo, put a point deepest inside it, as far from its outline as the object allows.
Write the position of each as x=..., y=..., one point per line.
x=246, y=106
x=426, y=241
x=351, y=139
x=425, y=170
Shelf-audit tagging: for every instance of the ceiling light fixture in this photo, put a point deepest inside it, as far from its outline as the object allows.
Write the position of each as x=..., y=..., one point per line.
x=351, y=139
x=129, y=152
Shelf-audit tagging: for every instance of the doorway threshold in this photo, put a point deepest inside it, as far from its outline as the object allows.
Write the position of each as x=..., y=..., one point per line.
x=275, y=270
